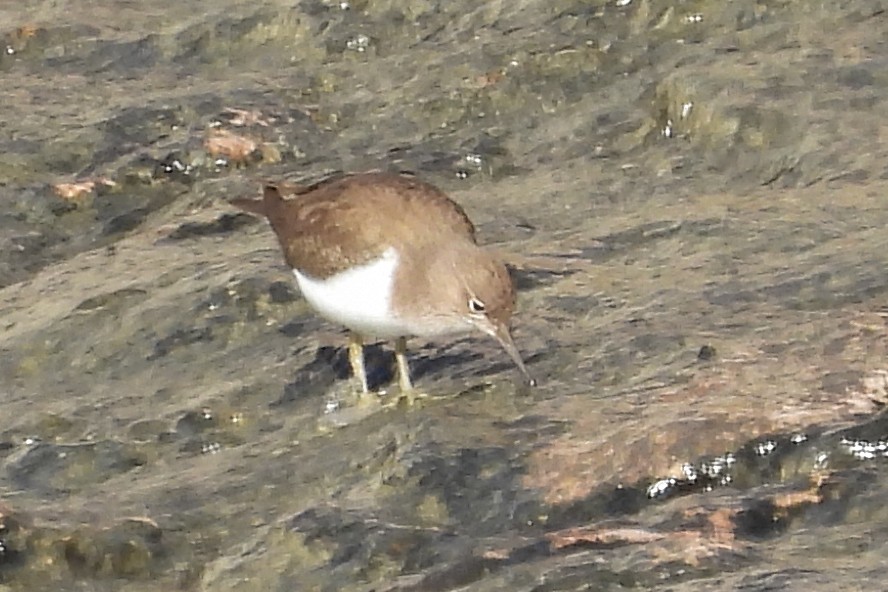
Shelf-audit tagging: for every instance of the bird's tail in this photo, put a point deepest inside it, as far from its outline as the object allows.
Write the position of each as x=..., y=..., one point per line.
x=269, y=206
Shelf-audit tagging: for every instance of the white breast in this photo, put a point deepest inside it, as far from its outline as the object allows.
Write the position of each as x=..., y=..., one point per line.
x=359, y=298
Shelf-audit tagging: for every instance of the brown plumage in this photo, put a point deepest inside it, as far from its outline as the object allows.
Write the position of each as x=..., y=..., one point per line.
x=444, y=284
x=347, y=220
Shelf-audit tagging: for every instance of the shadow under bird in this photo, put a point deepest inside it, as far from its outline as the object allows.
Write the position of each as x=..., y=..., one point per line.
x=389, y=256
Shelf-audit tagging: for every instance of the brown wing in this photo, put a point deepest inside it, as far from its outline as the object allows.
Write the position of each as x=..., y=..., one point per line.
x=348, y=220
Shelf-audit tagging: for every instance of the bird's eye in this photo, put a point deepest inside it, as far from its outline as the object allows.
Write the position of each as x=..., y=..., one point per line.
x=476, y=306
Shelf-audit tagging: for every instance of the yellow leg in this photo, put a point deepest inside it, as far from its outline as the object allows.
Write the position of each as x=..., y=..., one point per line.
x=356, y=359
x=403, y=366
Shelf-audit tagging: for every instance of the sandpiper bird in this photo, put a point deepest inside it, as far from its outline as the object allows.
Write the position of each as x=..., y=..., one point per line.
x=389, y=256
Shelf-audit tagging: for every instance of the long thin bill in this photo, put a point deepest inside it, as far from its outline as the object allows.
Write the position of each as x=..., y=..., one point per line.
x=501, y=333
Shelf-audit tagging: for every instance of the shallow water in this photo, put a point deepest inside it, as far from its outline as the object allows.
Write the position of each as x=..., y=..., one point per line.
x=691, y=195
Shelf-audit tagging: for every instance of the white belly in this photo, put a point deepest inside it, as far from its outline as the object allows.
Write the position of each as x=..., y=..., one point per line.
x=359, y=298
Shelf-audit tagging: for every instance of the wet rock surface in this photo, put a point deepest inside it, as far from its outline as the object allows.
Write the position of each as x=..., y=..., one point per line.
x=691, y=196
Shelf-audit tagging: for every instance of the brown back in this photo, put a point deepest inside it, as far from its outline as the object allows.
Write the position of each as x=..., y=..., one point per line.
x=349, y=220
